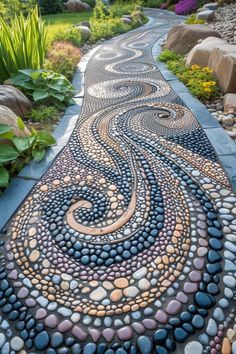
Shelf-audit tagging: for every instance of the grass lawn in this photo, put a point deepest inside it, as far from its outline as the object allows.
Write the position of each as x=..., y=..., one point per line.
x=59, y=22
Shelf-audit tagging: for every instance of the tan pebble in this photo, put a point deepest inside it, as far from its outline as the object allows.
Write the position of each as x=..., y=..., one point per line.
x=66, y=179
x=89, y=178
x=170, y=249
x=34, y=256
x=108, y=285
x=120, y=197
x=46, y=263
x=165, y=259
x=226, y=346
x=110, y=194
x=121, y=283
x=56, y=182
x=230, y=334
x=116, y=295
x=33, y=243
x=64, y=285
x=102, y=181
x=114, y=205
x=32, y=231
x=43, y=188
x=112, y=187
x=85, y=290
x=113, y=199
x=126, y=308
x=93, y=283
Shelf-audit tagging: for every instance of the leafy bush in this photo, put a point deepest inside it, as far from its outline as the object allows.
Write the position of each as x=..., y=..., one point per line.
x=120, y=8
x=16, y=152
x=72, y=35
x=168, y=55
x=108, y=28
x=42, y=114
x=51, y=6
x=44, y=86
x=63, y=58
x=199, y=80
x=193, y=20
x=153, y=3
x=100, y=11
x=12, y=8
x=22, y=44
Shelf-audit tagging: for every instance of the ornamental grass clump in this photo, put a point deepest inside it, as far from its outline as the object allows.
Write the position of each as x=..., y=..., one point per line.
x=22, y=44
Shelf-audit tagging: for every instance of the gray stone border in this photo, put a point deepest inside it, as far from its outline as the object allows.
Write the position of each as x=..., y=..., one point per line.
x=223, y=145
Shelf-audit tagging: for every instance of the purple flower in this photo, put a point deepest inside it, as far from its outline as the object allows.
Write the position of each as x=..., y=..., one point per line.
x=184, y=7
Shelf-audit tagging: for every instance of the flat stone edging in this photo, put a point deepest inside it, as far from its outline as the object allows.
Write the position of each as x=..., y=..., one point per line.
x=223, y=145
x=21, y=185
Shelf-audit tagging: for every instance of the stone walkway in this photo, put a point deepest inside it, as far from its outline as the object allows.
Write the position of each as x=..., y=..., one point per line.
x=128, y=242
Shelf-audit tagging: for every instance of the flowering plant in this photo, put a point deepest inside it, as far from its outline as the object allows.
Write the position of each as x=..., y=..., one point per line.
x=184, y=7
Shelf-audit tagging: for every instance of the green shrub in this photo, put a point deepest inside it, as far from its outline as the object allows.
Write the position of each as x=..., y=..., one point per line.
x=44, y=86
x=42, y=113
x=72, y=35
x=16, y=152
x=63, y=58
x=107, y=29
x=199, y=80
x=120, y=8
x=12, y=8
x=193, y=20
x=48, y=7
x=153, y=3
x=100, y=11
x=22, y=44
x=168, y=55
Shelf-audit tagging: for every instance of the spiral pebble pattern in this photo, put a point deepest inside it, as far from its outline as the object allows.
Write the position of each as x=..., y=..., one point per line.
x=128, y=242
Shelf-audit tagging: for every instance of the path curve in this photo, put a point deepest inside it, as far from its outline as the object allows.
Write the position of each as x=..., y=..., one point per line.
x=127, y=243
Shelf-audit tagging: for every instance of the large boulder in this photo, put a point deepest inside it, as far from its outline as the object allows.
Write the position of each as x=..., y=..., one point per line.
x=230, y=103
x=206, y=15
x=7, y=116
x=14, y=99
x=86, y=32
x=126, y=21
x=223, y=62
x=182, y=38
x=201, y=53
x=77, y=6
x=211, y=6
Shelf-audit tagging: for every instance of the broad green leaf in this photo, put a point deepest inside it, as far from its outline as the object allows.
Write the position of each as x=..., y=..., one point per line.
x=45, y=138
x=58, y=96
x=4, y=177
x=20, y=124
x=7, y=136
x=27, y=72
x=39, y=95
x=8, y=153
x=39, y=154
x=36, y=74
x=4, y=128
x=23, y=143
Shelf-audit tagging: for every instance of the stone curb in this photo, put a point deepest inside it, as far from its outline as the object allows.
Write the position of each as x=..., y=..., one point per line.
x=224, y=147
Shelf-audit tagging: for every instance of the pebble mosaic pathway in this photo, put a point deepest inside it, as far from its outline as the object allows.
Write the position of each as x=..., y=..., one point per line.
x=128, y=242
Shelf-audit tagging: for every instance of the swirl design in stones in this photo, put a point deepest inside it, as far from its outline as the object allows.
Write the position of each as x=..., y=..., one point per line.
x=119, y=245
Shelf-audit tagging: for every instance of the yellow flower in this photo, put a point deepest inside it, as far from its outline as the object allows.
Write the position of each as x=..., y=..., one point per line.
x=212, y=83
x=207, y=90
x=207, y=70
x=206, y=84
x=195, y=67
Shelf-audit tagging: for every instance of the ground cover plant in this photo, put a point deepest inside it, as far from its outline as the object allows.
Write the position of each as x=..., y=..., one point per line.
x=16, y=152
x=199, y=80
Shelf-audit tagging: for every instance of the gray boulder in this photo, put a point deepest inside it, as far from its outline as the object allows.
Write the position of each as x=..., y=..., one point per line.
x=14, y=99
x=7, y=116
x=206, y=15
